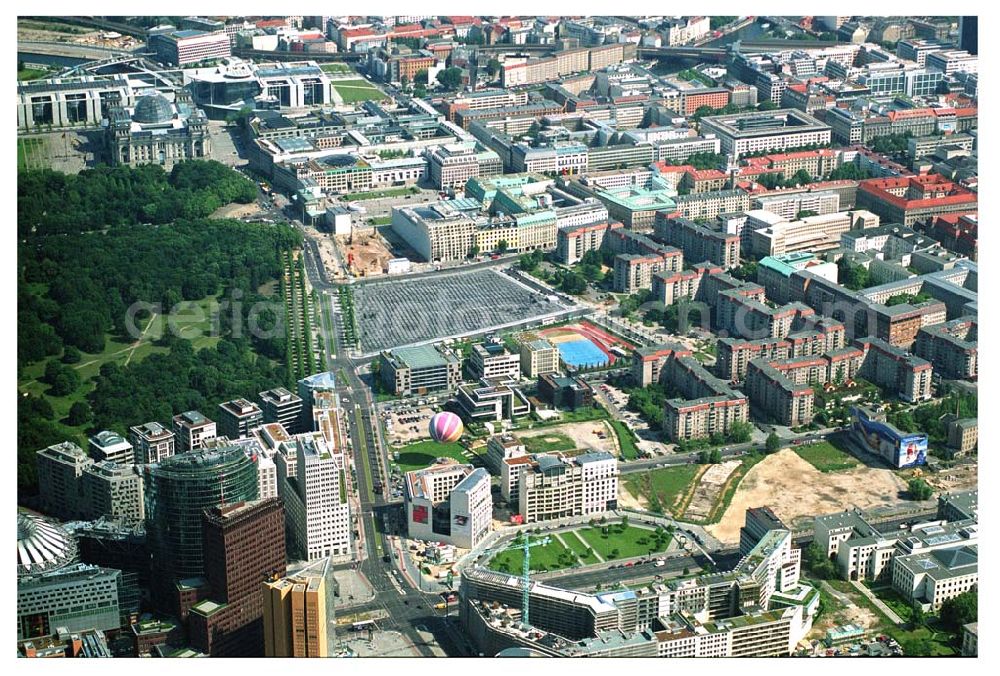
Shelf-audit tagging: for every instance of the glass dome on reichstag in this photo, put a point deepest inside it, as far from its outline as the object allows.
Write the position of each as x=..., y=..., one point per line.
x=153, y=109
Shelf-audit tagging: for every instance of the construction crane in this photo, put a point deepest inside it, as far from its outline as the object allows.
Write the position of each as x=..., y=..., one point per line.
x=525, y=548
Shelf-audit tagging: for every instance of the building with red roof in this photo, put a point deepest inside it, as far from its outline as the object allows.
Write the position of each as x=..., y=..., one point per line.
x=912, y=199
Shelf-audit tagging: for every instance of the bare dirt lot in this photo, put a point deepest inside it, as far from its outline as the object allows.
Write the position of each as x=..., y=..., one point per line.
x=368, y=253
x=796, y=491
x=411, y=426
x=236, y=210
x=326, y=253
x=581, y=433
x=956, y=478
x=707, y=492
x=847, y=613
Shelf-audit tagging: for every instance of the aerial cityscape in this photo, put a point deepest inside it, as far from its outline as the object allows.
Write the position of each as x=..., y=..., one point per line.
x=497, y=336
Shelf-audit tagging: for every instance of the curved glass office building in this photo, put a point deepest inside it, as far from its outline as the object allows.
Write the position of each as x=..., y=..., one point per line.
x=179, y=489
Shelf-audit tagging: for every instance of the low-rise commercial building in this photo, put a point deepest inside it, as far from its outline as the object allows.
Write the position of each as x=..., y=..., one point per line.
x=192, y=430
x=449, y=503
x=781, y=129
x=416, y=370
x=538, y=357
x=152, y=442
x=183, y=47
x=566, y=392
x=812, y=233
x=452, y=165
x=914, y=199
x=554, y=487
x=491, y=400
x=77, y=597
x=494, y=360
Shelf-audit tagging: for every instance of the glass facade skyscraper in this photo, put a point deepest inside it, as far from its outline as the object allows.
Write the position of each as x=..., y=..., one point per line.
x=178, y=490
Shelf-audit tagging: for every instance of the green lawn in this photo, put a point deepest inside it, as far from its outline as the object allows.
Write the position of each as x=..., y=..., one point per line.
x=626, y=440
x=424, y=453
x=578, y=546
x=625, y=540
x=547, y=443
x=31, y=154
x=661, y=487
x=579, y=415
x=894, y=600
x=379, y=194
x=31, y=74
x=192, y=322
x=336, y=68
x=543, y=557
x=354, y=91
x=826, y=457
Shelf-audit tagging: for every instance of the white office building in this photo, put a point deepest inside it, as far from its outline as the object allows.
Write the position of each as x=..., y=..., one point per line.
x=111, y=446
x=316, y=505
x=449, y=503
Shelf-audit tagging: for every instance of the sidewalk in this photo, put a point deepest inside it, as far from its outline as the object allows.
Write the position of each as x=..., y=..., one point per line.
x=353, y=583
x=878, y=602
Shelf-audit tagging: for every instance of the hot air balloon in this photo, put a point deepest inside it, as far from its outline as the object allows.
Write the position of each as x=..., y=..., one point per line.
x=446, y=427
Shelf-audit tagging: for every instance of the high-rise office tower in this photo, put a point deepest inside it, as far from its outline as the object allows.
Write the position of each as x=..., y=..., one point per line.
x=178, y=490
x=968, y=30
x=243, y=544
x=295, y=617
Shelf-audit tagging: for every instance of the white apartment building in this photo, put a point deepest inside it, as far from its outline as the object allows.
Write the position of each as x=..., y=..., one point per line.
x=780, y=130
x=812, y=233
x=588, y=212
x=789, y=206
x=953, y=61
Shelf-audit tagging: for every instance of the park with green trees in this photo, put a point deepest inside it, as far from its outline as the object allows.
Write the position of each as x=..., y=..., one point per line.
x=103, y=257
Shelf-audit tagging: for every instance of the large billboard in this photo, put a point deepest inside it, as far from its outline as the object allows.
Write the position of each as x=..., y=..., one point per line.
x=884, y=440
